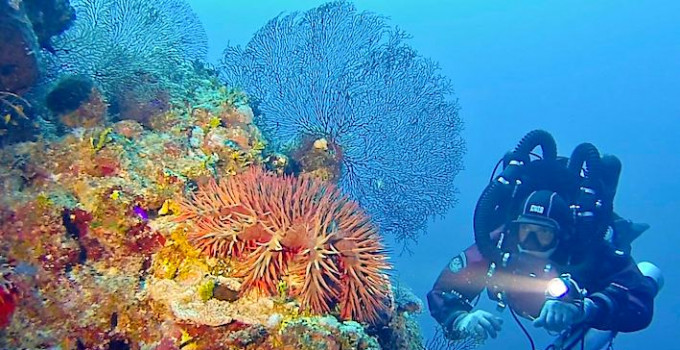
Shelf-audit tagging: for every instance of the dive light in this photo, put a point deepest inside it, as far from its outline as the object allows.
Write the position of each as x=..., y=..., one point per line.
x=564, y=288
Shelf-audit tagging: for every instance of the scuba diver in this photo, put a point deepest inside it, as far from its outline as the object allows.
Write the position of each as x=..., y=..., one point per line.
x=550, y=248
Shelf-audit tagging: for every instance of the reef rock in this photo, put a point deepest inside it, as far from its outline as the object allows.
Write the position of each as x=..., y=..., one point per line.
x=19, y=68
x=186, y=304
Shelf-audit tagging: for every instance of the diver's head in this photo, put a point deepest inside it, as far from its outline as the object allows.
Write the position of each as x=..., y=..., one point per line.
x=542, y=223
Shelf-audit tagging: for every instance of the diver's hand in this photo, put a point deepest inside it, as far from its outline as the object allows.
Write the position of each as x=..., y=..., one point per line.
x=557, y=315
x=479, y=323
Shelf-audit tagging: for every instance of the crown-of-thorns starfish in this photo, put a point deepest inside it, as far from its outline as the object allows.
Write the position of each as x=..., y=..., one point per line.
x=295, y=229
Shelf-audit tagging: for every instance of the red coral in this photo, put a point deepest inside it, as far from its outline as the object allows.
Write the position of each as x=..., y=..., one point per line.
x=7, y=294
x=7, y=306
x=77, y=219
x=298, y=229
x=61, y=249
x=57, y=257
x=95, y=250
x=142, y=239
x=105, y=165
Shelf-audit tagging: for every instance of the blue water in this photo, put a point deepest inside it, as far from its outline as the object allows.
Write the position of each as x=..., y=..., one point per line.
x=605, y=72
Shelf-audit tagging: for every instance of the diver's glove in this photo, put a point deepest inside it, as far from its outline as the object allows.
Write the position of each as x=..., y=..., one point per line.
x=557, y=315
x=478, y=323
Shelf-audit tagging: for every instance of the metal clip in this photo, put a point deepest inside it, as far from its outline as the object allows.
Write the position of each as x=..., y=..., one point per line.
x=505, y=259
x=501, y=305
x=492, y=270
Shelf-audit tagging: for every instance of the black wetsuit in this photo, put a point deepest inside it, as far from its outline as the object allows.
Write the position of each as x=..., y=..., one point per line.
x=625, y=297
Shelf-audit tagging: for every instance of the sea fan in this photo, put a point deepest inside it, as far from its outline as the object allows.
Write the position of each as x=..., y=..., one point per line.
x=295, y=229
x=346, y=77
x=126, y=44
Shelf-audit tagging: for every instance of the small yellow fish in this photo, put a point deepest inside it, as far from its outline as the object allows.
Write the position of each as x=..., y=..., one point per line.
x=165, y=208
x=115, y=195
x=169, y=207
x=98, y=141
x=187, y=342
x=8, y=117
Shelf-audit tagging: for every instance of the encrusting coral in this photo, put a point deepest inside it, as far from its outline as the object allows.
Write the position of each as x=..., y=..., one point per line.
x=297, y=229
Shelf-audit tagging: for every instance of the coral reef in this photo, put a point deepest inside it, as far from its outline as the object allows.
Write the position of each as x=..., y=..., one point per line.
x=116, y=214
x=79, y=212
x=336, y=74
x=326, y=333
x=26, y=26
x=403, y=331
x=77, y=103
x=319, y=158
x=151, y=212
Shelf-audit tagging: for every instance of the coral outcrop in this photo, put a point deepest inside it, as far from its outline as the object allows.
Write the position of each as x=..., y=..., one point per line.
x=173, y=233
x=19, y=65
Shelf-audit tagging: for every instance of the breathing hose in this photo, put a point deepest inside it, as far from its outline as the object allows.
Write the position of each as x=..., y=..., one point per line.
x=491, y=202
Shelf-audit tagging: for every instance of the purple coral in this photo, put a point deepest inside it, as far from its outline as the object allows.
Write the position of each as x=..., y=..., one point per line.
x=346, y=76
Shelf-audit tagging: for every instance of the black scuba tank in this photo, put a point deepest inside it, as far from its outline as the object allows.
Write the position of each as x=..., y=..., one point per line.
x=592, y=206
x=582, y=180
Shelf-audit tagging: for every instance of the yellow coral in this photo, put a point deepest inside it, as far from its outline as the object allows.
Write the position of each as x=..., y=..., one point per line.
x=179, y=260
x=321, y=144
x=214, y=122
x=292, y=314
x=98, y=141
x=220, y=267
x=43, y=201
x=206, y=289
